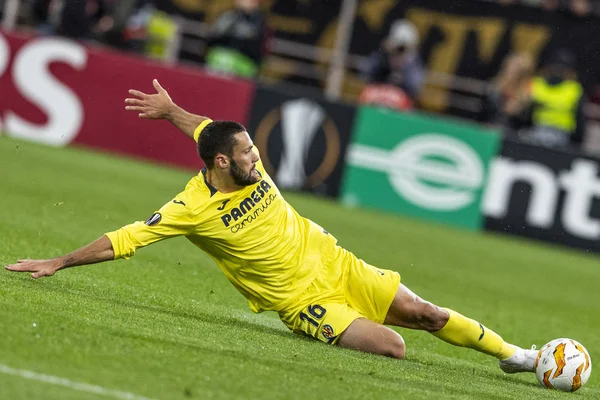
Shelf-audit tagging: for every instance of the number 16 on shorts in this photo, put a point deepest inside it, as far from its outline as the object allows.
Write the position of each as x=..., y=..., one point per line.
x=314, y=317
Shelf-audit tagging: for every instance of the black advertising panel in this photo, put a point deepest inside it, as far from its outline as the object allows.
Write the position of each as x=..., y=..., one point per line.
x=302, y=139
x=545, y=194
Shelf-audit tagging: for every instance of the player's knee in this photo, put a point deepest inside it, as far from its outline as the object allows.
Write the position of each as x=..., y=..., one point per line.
x=431, y=317
x=398, y=350
x=395, y=346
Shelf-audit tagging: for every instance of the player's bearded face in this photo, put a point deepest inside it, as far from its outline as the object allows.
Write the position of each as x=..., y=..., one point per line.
x=243, y=161
x=241, y=177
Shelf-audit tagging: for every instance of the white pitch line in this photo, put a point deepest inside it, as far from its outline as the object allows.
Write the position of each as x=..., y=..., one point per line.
x=83, y=387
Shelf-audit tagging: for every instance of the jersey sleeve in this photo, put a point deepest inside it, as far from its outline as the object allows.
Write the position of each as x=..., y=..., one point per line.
x=173, y=219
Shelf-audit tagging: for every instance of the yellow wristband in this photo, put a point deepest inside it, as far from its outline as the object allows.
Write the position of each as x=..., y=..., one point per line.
x=200, y=128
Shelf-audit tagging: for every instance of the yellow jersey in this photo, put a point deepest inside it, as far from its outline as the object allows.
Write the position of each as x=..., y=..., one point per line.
x=263, y=246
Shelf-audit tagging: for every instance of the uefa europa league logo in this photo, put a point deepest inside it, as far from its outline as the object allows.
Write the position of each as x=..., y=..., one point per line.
x=301, y=120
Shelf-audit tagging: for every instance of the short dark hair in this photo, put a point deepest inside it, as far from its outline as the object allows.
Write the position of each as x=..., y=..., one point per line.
x=218, y=137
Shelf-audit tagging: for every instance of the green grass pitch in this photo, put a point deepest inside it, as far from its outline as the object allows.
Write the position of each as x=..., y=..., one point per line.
x=168, y=325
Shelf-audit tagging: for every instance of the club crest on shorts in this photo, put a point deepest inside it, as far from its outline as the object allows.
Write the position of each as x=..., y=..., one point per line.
x=154, y=219
x=327, y=331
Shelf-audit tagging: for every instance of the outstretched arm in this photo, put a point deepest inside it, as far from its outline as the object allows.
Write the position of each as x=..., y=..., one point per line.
x=160, y=106
x=173, y=219
x=95, y=252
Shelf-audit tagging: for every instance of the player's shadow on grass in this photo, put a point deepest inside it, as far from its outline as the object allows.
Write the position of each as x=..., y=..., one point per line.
x=374, y=376
x=205, y=317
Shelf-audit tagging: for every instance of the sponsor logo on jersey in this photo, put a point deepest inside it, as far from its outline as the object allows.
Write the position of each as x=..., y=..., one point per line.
x=154, y=219
x=223, y=205
x=249, y=208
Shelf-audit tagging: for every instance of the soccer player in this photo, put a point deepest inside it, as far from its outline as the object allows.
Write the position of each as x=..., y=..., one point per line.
x=277, y=259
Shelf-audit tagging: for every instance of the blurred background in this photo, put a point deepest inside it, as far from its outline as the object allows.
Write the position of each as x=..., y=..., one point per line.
x=478, y=114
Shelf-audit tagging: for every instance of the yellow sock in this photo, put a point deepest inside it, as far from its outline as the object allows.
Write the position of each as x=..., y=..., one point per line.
x=466, y=332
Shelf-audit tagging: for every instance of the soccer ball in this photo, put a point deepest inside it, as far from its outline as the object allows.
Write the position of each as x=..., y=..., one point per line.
x=563, y=364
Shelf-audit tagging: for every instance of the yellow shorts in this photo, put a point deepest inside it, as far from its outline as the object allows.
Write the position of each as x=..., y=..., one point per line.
x=347, y=288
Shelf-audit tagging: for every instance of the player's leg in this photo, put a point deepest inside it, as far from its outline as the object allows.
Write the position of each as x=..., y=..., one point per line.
x=334, y=322
x=379, y=295
x=410, y=311
x=371, y=337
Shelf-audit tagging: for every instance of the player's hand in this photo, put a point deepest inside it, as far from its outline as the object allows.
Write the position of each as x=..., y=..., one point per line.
x=38, y=268
x=150, y=106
